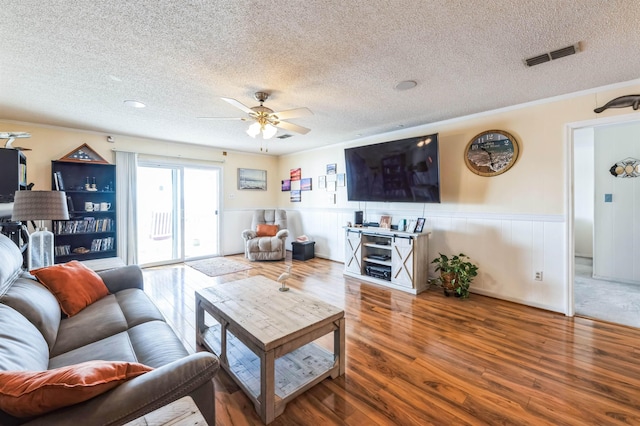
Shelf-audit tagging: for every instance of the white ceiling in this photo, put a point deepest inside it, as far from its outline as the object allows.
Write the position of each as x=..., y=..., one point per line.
x=341, y=59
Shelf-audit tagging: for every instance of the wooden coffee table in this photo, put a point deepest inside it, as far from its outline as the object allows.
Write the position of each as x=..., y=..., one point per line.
x=264, y=338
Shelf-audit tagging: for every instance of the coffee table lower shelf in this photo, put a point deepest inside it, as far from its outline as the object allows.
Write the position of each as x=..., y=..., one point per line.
x=294, y=372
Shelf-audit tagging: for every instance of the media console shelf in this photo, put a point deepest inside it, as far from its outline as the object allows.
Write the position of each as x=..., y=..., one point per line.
x=388, y=257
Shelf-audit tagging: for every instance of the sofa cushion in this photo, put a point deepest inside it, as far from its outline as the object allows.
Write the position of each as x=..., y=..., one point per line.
x=32, y=393
x=11, y=265
x=152, y=343
x=22, y=347
x=116, y=313
x=73, y=284
x=148, y=337
x=37, y=304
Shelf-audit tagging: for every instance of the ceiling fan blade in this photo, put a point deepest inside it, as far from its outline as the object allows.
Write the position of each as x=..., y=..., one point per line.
x=293, y=127
x=224, y=118
x=238, y=105
x=293, y=113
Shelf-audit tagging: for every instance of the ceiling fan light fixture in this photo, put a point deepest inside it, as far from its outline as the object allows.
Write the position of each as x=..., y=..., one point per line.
x=269, y=131
x=254, y=129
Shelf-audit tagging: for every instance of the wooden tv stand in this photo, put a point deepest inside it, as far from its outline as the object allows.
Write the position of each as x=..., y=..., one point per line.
x=388, y=257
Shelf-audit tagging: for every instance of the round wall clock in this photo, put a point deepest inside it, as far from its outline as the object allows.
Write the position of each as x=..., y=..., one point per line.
x=491, y=153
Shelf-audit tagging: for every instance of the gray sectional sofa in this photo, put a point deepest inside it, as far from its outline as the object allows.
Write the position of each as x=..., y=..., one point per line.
x=123, y=326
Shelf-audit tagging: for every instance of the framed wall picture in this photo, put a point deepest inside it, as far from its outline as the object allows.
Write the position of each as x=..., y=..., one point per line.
x=419, y=225
x=285, y=185
x=296, y=196
x=252, y=179
x=331, y=169
x=322, y=182
x=341, y=179
x=295, y=174
x=305, y=184
x=491, y=153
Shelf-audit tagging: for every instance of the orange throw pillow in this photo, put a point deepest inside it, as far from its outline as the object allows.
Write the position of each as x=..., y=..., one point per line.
x=73, y=284
x=266, y=230
x=33, y=393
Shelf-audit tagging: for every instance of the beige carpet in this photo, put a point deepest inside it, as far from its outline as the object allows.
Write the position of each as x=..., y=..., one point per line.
x=218, y=266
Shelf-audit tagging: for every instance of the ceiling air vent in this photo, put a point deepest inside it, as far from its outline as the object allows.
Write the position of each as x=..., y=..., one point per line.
x=556, y=54
x=537, y=60
x=286, y=135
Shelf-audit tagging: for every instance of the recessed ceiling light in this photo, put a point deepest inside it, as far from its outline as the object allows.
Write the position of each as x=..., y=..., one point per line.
x=134, y=104
x=406, y=85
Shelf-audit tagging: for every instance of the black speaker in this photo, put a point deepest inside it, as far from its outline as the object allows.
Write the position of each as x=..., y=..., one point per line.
x=358, y=218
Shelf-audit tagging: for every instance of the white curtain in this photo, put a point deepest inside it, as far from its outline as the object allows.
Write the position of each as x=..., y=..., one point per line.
x=126, y=212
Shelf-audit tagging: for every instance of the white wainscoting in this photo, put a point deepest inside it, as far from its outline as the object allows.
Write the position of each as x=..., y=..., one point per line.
x=509, y=249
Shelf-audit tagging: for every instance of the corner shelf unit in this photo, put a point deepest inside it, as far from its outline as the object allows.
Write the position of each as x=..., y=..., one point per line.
x=387, y=257
x=94, y=231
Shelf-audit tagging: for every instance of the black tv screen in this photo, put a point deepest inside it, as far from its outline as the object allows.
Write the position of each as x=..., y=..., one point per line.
x=405, y=170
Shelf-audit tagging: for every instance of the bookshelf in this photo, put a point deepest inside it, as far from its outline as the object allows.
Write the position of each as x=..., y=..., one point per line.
x=90, y=232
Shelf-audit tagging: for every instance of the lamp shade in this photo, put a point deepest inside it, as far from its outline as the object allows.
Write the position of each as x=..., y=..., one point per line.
x=40, y=205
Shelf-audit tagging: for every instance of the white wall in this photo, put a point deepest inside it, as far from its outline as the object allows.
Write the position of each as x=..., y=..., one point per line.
x=512, y=225
x=583, y=189
x=617, y=224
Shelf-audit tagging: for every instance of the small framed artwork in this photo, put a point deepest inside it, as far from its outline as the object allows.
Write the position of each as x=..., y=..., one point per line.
x=385, y=222
x=411, y=225
x=322, y=182
x=341, y=179
x=331, y=169
x=419, y=225
x=295, y=197
x=252, y=179
x=286, y=185
x=305, y=184
x=295, y=174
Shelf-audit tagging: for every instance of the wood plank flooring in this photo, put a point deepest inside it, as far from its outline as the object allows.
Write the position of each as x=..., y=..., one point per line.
x=429, y=359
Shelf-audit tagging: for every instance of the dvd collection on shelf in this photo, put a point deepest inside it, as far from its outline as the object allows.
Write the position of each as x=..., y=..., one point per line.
x=97, y=244
x=88, y=224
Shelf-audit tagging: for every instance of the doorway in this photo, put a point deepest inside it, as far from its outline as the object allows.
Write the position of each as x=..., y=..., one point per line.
x=178, y=213
x=603, y=276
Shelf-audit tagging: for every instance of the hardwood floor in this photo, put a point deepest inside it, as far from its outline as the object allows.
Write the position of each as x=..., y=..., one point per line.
x=429, y=359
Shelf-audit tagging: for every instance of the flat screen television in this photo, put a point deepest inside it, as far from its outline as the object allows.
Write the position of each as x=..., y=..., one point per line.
x=405, y=171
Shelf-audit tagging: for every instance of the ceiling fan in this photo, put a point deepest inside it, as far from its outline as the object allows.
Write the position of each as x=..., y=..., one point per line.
x=265, y=119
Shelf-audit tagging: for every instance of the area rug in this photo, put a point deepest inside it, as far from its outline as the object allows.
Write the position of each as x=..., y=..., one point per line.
x=218, y=266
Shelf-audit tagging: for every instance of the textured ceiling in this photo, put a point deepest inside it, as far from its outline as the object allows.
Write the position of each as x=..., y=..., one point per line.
x=73, y=63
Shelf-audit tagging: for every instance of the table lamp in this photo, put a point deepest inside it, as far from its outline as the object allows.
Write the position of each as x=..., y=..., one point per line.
x=40, y=206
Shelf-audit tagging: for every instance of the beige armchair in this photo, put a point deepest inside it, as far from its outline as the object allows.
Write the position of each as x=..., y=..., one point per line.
x=267, y=236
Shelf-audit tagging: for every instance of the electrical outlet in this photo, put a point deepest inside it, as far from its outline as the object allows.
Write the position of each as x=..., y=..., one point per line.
x=538, y=276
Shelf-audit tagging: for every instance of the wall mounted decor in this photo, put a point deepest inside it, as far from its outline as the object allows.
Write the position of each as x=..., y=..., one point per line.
x=285, y=185
x=341, y=179
x=621, y=102
x=84, y=154
x=305, y=184
x=252, y=179
x=322, y=182
x=331, y=169
x=296, y=196
x=491, y=153
x=627, y=168
x=295, y=174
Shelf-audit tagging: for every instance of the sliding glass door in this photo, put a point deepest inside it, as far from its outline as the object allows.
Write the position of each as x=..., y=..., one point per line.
x=177, y=213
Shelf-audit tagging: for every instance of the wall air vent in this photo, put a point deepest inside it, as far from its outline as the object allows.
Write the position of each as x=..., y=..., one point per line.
x=285, y=136
x=556, y=54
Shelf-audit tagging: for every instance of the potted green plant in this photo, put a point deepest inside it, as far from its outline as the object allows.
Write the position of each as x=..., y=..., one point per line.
x=456, y=273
